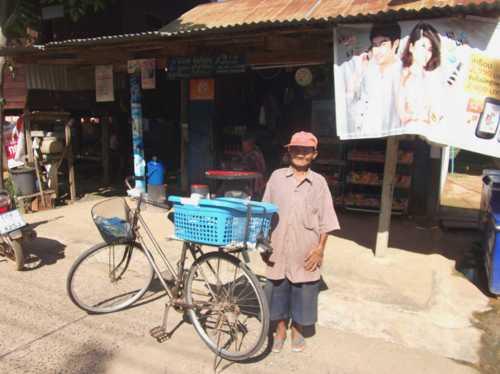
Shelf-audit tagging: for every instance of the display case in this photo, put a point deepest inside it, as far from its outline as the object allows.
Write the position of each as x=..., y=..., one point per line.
x=331, y=163
x=364, y=173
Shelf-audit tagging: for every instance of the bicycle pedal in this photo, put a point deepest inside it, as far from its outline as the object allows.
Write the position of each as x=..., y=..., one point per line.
x=159, y=333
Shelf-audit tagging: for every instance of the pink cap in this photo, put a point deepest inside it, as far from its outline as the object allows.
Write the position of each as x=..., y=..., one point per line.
x=303, y=139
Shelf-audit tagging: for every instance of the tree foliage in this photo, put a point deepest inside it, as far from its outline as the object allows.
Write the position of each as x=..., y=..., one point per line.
x=18, y=15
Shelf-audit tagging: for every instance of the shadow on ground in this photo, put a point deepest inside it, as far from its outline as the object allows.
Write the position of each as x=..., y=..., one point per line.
x=407, y=234
x=89, y=358
x=43, y=251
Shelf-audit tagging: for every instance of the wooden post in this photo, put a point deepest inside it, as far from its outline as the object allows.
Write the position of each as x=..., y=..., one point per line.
x=105, y=150
x=384, y=223
x=184, y=135
x=27, y=134
x=70, y=160
x=2, y=145
x=137, y=130
x=3, y=44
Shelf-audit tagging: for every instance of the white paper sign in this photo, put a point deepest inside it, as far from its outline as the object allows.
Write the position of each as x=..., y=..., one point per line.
x=104, y=87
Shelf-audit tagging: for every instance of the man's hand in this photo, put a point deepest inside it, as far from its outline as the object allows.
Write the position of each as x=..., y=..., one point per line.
x=266, y=258
x=314, y=259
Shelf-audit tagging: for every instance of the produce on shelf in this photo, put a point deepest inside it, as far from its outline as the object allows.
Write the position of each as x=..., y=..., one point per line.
x=367, y=201
x=375, y=179
x=404, y=157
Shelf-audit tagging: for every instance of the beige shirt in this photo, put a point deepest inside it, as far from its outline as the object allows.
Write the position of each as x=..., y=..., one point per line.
x=305, y=211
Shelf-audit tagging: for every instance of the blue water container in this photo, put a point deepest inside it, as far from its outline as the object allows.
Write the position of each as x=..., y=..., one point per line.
x=156, y=172
x=492, y=252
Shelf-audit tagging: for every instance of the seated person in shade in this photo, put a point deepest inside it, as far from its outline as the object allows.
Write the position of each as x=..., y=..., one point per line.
x=252, y=159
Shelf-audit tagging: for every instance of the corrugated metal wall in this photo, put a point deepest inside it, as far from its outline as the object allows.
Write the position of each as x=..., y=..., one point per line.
x=60, y=78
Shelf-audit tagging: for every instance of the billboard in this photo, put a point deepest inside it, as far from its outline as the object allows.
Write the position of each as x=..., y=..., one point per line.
x=438, y=78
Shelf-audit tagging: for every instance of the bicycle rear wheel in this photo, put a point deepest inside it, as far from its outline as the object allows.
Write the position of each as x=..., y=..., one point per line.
x=107, y=278
x=230, y=311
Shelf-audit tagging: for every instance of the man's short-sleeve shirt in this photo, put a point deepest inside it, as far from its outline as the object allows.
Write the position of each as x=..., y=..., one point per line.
x=305, y=211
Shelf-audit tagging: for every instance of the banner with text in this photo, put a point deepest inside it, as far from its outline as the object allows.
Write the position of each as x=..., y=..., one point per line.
x=436, y=78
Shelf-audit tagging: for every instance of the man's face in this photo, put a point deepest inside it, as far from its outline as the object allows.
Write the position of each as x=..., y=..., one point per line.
x=301, y=157
x=247, y=146
x=384, y=50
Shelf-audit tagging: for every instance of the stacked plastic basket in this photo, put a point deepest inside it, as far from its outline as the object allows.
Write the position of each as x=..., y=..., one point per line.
x=221, y=222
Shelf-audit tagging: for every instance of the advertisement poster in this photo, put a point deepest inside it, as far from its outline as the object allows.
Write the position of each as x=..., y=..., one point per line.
x=14, y=142
x=439, y=79
x=148, y=74
x=104, y=89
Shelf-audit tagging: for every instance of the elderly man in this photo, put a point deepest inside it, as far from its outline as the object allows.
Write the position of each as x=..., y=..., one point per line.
x=306, y=216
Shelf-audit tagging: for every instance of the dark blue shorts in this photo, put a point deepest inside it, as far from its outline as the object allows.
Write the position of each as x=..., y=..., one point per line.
x=295, y=301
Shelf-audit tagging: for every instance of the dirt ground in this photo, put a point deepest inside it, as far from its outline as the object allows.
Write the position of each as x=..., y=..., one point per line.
x=409, y=312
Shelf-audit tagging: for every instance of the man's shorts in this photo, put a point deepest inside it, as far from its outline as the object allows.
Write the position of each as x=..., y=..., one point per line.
x=295, y=301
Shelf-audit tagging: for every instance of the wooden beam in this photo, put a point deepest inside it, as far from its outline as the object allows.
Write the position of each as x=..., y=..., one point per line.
x=384, y=223
x=70, y=160
x=27, y=134
x=105, y=150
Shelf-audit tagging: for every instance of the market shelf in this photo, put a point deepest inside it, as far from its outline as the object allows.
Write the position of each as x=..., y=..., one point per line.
x=403, y=187
x=356, y=208
x=330, y=162
x=404, y=157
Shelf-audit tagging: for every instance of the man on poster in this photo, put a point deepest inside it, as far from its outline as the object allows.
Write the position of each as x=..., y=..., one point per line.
x=373, y=90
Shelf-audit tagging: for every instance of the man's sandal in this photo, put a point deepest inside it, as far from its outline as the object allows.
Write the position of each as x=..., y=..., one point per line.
x=298, y=344
x=278, y=344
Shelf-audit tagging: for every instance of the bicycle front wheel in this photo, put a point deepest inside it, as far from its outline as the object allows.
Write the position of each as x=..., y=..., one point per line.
x=230, y=311
x=109, y=277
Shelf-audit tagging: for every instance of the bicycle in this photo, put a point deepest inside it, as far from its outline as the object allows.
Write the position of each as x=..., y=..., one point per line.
x=221, y=295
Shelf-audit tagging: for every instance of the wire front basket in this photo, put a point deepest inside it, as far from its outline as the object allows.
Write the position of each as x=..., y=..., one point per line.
x=113, y=219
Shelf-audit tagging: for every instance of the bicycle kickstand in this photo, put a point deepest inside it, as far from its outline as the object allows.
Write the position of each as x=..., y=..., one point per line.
x=160, y=333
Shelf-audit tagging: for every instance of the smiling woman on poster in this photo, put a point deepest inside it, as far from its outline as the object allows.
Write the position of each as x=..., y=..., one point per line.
x=421, y=84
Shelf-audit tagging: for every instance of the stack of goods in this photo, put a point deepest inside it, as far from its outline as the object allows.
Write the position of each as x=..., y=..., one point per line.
x=375, y=179
x=366, y=201
x=364, y=177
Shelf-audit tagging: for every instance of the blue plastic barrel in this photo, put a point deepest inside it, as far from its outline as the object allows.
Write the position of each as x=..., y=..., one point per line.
x=490, y=223
x=156, y=172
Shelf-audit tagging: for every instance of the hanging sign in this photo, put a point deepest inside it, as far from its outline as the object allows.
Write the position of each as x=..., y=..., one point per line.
x=204, y=66
x=148, y=74
x=435, y=78
x=104, y=88
x=201, y=89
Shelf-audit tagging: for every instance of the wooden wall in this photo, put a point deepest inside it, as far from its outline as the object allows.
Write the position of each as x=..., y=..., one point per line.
x=15, y=91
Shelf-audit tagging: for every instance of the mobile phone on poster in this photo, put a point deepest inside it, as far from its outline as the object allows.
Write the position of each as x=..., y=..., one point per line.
x=487, y=125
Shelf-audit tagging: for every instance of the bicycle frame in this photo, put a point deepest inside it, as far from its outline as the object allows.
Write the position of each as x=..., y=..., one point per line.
x=174, y=291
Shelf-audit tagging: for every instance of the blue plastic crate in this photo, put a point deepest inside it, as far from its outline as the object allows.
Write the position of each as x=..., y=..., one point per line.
x=222, y=221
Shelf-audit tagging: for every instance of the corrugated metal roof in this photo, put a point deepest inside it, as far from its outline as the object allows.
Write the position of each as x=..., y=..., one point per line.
x=107, y=38
x=244, y=13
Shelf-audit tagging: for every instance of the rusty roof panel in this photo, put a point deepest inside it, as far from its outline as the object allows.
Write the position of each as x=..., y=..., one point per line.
x=239, y=13
x=356, y=8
